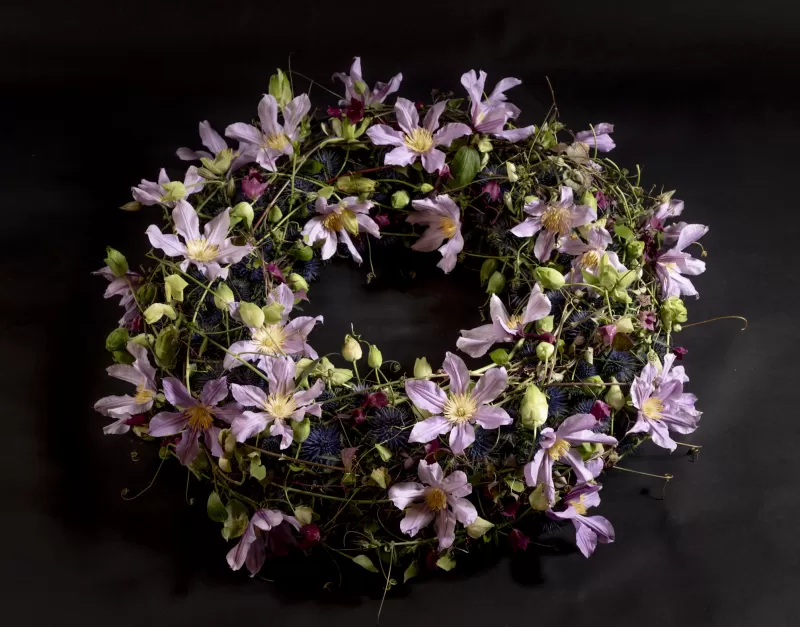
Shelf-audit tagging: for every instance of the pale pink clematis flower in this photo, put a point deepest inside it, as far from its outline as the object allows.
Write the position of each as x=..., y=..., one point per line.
x=166, y=192
x=268, y=529
x=357, y=89
x=337, y=222
x=141, y=374
x=443, y=218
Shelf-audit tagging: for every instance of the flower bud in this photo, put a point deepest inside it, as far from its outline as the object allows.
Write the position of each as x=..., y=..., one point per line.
x=400, y=199
x=351, y=349
x=624, y=325
x=497, y=283
x=545, y=350
x=168, y=341
x=251, y=315
x=511, y=172
x=676, y=328
x=280, y=88
x=545, y=325
x=223, y=297
x=175, y=191
x=426, y=188
x=296, y=283
x=634, y=249
x=549, y=278
x=301, y=430
x=116, y=262
x=340, y=376
x=352, y=184
x=488, y=268
x=615, y=398
x=146, y=294
x=673, y=310
x=478, y=528
x=117, y=340
x=422, y=368
x=485, y=145
x=374, y=358
x=244, y=210
x=272, y=313
x=274, y=214
x=533, y=409
x=133, y=205
x=174, y=285
x=303, y=253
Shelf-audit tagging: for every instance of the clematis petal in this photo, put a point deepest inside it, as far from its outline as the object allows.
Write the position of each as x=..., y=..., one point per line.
x=426, y=395
x=458, y=372
x=428, y=429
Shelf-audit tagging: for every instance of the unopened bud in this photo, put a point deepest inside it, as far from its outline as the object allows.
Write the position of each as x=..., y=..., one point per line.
x=351, y=349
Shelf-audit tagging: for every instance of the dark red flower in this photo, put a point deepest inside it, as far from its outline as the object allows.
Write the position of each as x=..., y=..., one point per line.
x=334, y=112
x=492, y=190
x=518, y=540
x=679, y=352
x=355, y=111
x=253, y=185
x=310, y=535
x=602, y=200
x=275, y=271
x=377, y=399
x=444, y=172
x=382, y=219
x=600, y=410
x=510, y=511
x=359, y=416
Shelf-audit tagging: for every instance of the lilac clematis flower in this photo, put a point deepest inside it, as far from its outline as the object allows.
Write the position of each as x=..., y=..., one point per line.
x=553, y=221
x=556, y=446
x=437, y=497
x=142, y=374
x=268, y=529
x=205, y=251
x=589, y=530
x=503, y=328
x=673, y=263
x=589, y=254
x=195, y=417
x=598, y=137
x=443, y=219
x=211, y=140
x=663, y=406
x=670, y=208
x=490, y=116
x=272, y=140
x=356, y=89
x=336, y=223
x=125, y=288
x=417, y=141
x=283, y=403
x=457, y=411
x=166, y=192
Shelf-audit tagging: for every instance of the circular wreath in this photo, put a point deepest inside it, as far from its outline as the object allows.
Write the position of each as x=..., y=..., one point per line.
x=337, y=453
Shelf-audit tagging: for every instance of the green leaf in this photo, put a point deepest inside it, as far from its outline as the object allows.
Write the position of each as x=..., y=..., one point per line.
x=624, y=233
x=499, y=356
x=116, y=262
x=365, y=563
x=384, y=452
x=478, y=528
x=257, y=470
x=380, y=476
x=311, y=166
x=538, y=499
x=325, y=192
x=446, y=563
x=515, y=484
x=174, y=285
x=488, y=268
x=465, y=166
x=410, y=572
x=497, y=283
x=237, y=519
x=216, y=510
x=301, y=430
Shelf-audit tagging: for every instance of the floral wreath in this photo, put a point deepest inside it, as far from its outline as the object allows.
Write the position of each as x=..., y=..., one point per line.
x=303, y=452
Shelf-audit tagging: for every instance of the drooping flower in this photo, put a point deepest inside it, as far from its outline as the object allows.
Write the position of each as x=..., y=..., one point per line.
x=437, y=499
x=272, y=140
x=490, y=116
x=266, y=528
x=281, y=404
x=254, y=185
x=556, y=447
x=663, y=405
x=589, y=254
x=503, y=328
x=357, y=89
x=166, y=192
x=124, y=287
x=599, y=136
x=518, y=541
x=552, y=221
x=443, y=219
x=589, y=530
x=673, y=263
x=141, y=374
x=206, y=251
x=211, y=140
x=458, y=410
x=337, y=222
x=417, y=141
x=194, y=417
x=669, y=208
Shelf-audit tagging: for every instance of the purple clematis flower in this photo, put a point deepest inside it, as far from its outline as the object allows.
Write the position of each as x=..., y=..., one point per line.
x=598, y=137
x=268, y=530
x=555, y=447
x=205, y=251
x=283, y=403
x=211, y=140
x=437, y=497
x=556, y=220
x=272, y=140
x=195, y=417
x=663, y=406
x=589, y=254
x=455, y=412
x=673, y=263
x=124, y=287
x=166, y=192
x=503, y=328
x=589, y=530
x=417, y=141
x=336, y=223
x=356, y=89
x=443, y=219
x=490, y=116
x=670, y=208
x=143, y=376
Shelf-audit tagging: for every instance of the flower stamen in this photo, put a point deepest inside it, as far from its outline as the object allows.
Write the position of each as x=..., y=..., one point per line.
x=448, y=226
x=280, y=405
x=559, y=450
x=558, y=220
x=652, y=408
x=201, y=250
x=270, y=339
x=435, y=499
x=199, y=416
x=420, y=140
x=459, y=408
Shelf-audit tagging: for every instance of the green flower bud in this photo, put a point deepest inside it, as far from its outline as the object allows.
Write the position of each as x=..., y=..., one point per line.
x=274, y=214
x=173, y=287
x=549, y=278
x=538, y=499
x=349, y=222
x=220, y=163
x=677, y=328
x=251, y=315
x=301, y=430
x=303, y=253
x=223, y=297
x=116, y=262
x=545, y=350
x=156, y=311
x=511, y=172
x=533, y=409
x=545, y=325
x=280, y=88
x=400, y=199
x=175, y=191
x=497, y=282
x=624, y=325
x=488, y=268
x=426, y=188
x=634, y=249
x=615, y=398
x=244, y=210
x=485, y=145
x=597, y=389
x=272, y=313
x=673, y=310
x=499, y=356
x=374, y=358
x=589, y=199
x=422, y=368
x=166, y=346
x=117, y=340
x=352, y=184
x=296, y=282
x=146, y=294
x=351, y=349
x=588, y=450
x=133, y=205
x=508, y=200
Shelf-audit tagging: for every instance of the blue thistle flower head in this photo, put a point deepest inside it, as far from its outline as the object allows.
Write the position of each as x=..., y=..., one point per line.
x=242, y=288
x=310, y=269
x=483, y=444
x=390, y=427
x=240, y=269
x=245, y=376
x=584, y=371
x=583, y=406
x=322, y=446
x=331, y=161
x=270, y=443
x=621, y=365
x=557, y=402
x=579, y=323
x=323, y=399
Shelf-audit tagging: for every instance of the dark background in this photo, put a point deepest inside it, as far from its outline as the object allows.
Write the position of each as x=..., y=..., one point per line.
x=96, y=95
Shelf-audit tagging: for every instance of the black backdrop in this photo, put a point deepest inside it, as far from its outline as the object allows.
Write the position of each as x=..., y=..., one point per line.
x=96, y=95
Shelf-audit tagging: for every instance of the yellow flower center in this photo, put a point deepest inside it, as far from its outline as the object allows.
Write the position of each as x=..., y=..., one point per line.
x=652, y=408
x=270, y=339
x=579, y=506
x=459, y=408
x=278, y=141
x=449, y=227
x=143, y=395
x=559, y=449
x=557, y=219
x=436, y=499
x=672, y=266
x=341, y=219
x=420, y=140
x=200, y=416
x=514, y=322
x=280, y=406
x=201, y=250
x=590, y=259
